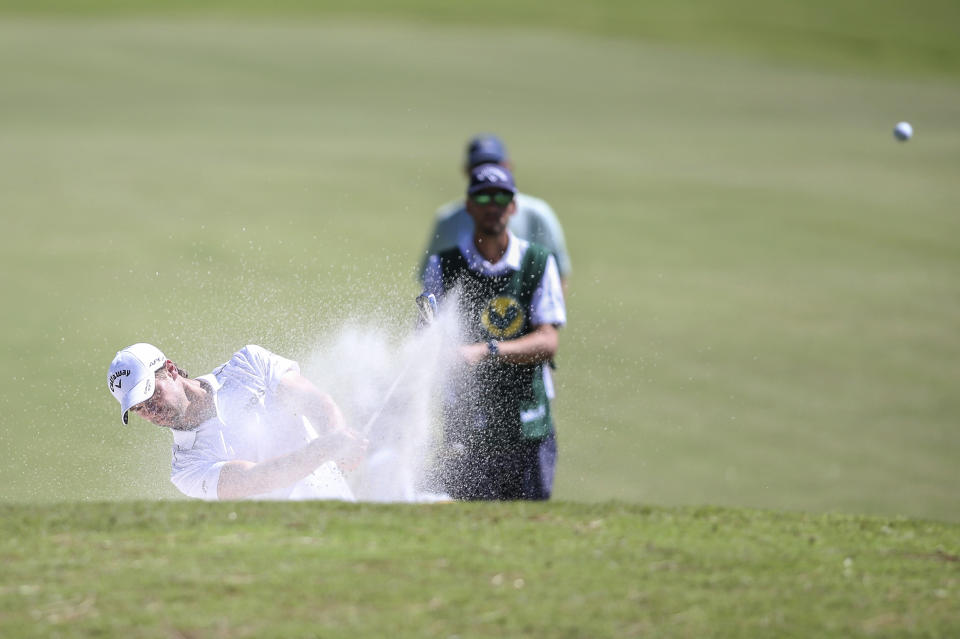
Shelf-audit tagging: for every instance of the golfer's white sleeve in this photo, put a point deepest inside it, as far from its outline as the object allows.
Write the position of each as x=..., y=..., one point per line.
x=195, y=476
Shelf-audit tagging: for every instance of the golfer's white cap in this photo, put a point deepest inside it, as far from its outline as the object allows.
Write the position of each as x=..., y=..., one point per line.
x=131, y=375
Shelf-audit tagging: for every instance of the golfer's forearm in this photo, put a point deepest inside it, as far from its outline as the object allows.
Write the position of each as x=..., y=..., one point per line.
x=239, y=479
x=324, y=410
x=301, y=397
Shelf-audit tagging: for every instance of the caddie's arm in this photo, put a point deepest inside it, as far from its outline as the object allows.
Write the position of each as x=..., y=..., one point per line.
x=539, y=345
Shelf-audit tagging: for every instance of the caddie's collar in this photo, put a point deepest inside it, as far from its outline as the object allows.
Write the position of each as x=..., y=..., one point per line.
x=511, y=260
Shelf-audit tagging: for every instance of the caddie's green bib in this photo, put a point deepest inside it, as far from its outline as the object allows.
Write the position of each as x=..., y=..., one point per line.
x=509, y=399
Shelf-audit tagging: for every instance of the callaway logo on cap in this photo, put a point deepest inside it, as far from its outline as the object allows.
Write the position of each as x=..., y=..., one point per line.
x=491, y=176
x=131, y=375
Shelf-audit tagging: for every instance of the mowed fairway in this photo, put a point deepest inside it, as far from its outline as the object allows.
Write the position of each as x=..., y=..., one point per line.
x=470, y=570
x=764, y=307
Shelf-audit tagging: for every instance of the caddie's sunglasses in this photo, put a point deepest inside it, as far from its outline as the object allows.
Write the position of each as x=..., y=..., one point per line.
x=500, y=198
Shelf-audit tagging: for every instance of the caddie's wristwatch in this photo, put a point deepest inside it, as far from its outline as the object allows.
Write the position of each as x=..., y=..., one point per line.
x=494, y=347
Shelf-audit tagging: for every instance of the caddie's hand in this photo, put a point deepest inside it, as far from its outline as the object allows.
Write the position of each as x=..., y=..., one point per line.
x=472, y=354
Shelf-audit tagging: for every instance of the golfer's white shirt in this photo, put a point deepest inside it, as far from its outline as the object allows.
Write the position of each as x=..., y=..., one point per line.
x=250, y=425
x=546, y=306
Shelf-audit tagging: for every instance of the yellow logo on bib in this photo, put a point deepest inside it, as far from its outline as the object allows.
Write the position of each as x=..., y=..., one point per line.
x=503, y=317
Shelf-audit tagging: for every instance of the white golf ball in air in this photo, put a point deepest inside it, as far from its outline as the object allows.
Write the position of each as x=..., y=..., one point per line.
x=903, y=131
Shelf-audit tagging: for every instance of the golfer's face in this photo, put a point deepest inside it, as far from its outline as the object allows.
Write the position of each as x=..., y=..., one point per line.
x=167, y=406
x=491, y=210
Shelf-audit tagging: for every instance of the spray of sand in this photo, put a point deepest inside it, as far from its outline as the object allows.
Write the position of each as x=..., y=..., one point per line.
x=389, y=388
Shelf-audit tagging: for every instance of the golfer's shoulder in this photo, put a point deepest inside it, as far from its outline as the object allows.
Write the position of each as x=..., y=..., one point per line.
x=253, y=351
x=252, y=359
x=248, y=353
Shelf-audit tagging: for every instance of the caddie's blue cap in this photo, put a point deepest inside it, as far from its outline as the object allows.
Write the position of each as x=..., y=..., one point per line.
x=485, y=148
x=490, y=176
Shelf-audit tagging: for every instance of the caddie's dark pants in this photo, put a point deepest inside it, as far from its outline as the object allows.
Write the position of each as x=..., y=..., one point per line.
x=521, y=470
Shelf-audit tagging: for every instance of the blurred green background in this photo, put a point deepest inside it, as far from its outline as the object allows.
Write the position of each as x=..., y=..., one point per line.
x=765, y=302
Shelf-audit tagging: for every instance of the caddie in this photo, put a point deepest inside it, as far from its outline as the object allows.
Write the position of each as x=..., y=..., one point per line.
x=253, y=428
x=533, y=220
x=498, y=428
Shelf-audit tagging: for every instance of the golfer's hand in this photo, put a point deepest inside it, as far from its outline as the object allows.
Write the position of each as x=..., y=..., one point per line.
x=351, y=450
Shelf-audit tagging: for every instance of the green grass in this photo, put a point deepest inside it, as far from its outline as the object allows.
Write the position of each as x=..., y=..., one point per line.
x=763, y=310
x=886, y=36
x=470, y=570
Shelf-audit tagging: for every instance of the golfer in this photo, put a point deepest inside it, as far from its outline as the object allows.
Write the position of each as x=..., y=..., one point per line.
x=253, y=428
